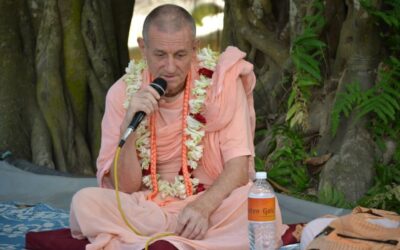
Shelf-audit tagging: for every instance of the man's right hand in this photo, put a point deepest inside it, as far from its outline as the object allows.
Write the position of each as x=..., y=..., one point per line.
x=145, y=100
x=129, y=169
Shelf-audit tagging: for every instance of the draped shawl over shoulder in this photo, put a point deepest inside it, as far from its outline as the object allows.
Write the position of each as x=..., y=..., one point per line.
x=229, y=133
x=231, y=91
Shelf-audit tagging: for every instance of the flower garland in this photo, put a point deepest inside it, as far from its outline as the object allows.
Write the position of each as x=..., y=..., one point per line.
x=193, y=130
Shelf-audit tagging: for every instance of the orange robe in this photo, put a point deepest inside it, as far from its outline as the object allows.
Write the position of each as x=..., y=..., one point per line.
x=229, y=133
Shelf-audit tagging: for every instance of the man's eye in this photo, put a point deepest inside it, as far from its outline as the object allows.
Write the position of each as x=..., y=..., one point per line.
x=159, y=53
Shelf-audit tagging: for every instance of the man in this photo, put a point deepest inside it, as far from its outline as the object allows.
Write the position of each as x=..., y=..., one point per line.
x=198, y=136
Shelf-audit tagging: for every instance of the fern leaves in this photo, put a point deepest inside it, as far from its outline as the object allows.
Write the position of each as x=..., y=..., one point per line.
x=387, y=198
x=382, y=100
x=345, y=103
x=306, y=51
x=332, y=197
x=287, y=167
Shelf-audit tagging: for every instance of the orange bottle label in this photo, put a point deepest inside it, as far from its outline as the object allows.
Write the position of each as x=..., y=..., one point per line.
x=261, y=209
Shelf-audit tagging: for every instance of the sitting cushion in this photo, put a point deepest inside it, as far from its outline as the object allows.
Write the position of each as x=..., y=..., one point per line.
x=293, y=234
x=61, y=239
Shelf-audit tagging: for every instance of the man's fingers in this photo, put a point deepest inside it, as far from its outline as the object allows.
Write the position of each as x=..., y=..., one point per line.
x=144, y=102
x=150, y=105
x=150, y=96
x=153, y=92
x=179, y=229
x=143, y=105
x=148, y=99
x=196, y=232
x=192, y=229
x=182, y=220
x=202, y=233
x=189, y=230
x=192, y=224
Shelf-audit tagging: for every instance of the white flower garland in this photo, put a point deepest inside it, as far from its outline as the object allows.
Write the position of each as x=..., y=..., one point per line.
x=194, y=129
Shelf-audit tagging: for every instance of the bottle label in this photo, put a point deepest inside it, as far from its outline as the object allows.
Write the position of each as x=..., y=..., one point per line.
x=261, y=209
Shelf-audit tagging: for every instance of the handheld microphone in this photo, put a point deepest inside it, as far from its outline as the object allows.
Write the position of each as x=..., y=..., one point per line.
x=160, y=85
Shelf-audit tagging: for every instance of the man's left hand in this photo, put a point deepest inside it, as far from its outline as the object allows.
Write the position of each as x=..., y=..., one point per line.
x=193, y=221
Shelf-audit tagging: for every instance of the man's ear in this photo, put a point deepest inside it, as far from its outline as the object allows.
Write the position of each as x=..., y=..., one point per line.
x=141, y=44
x=196, y=46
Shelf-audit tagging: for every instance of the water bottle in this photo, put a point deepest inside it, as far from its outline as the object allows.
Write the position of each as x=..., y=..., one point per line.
x=261, y=214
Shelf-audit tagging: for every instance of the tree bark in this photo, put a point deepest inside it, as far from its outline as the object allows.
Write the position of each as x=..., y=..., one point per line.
x=75, y=59
x=266, y=34
x=69, y=53
x=12, y=64
x=22, y=128
x=358, y=61
x=252, y=28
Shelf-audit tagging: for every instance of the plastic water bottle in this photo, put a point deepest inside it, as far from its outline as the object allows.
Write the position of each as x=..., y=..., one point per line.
x=261, y=214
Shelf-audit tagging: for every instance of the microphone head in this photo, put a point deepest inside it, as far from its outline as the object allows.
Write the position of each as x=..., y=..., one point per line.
x=160, y=85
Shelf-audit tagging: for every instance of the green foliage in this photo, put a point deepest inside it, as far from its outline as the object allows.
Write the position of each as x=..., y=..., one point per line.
x=382, y=131
x=385, y=194
x=388, y=174
x=306, y=51
x=261, y=130
x=390, y=15
x=345, y=103
x=386, y=197
x=329, y=195
x=259, y=164
x=383, y=98
x=305, y=196
x=389, y=20
x=261, y=133
x=287, y=168
x=382, y=106
x=203, y=10
x=381, y=101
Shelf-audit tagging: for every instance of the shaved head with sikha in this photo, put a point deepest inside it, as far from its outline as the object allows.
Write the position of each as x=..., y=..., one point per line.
x=169, y=46
x=168, y=18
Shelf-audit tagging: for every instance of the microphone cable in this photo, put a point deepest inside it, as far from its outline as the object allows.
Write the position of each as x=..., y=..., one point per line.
x=159, y=85
x=121, y=211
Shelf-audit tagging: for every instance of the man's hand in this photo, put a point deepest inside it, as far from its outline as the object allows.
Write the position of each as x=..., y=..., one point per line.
x=129, y=168
x=193, y=221
x=145, y=100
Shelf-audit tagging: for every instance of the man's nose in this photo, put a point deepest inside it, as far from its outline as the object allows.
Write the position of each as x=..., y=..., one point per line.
x=171, y=65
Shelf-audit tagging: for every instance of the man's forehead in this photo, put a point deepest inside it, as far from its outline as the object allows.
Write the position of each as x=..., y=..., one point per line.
x=171, y=30
x=160, y=40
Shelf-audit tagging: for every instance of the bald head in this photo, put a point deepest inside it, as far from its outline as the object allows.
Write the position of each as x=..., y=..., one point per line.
x=168, y=18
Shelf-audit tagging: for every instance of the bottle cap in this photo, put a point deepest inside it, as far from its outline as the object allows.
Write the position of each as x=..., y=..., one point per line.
x=261, y=175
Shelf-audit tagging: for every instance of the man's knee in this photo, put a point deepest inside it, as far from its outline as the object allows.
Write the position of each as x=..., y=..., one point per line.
x=83, y=196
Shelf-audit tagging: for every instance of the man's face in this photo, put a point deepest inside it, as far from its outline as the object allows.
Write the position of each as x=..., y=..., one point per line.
x=169, y=55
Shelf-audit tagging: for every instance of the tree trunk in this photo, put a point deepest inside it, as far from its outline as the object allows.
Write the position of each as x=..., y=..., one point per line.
x=357, y=61
x=251, y=26
x=266, y=30
x=18, y=108
x=69, y=53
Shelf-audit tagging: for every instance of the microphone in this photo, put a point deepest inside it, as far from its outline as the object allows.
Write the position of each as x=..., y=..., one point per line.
x=160, y=85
